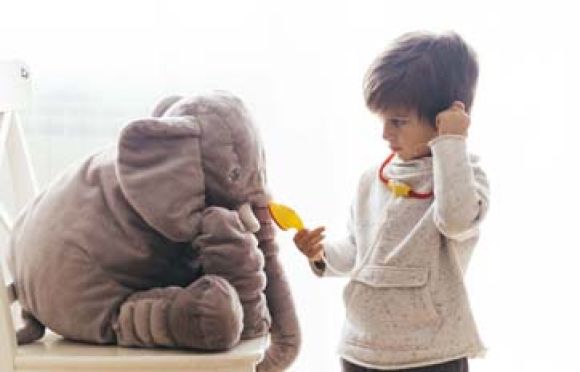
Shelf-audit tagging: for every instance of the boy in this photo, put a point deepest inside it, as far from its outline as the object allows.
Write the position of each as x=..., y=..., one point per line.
x=414, y=221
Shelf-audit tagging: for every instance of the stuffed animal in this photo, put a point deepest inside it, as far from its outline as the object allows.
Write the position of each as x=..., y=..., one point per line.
x=163, y=241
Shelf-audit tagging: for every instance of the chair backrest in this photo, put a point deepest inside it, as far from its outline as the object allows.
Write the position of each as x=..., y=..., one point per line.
x=15, y=93
x=7, y=332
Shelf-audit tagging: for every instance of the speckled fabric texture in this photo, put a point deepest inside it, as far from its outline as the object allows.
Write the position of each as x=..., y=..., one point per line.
x=406, y=302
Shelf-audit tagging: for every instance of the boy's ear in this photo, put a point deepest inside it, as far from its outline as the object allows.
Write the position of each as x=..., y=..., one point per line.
x=164, y=104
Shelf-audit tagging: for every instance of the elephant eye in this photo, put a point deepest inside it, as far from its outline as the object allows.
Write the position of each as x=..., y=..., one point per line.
x=234, y=175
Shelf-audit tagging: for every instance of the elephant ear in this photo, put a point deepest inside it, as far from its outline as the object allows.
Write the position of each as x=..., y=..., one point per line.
x=159, y=168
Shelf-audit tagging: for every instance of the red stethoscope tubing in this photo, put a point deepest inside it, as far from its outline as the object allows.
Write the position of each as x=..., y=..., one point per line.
x=412, y=194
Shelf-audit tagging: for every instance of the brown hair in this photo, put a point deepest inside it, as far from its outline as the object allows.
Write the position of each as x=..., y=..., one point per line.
x=422, y=71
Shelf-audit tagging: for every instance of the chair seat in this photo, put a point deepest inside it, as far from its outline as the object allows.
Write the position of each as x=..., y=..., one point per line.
x=55, y=353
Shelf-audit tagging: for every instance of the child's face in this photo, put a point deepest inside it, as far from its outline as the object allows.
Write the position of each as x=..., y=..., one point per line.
x=406, y=133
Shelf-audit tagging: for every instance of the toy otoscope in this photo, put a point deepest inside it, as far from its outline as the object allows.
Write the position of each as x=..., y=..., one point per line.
x=285, y=217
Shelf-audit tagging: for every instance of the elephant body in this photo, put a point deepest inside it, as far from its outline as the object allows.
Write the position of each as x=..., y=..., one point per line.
x=145, y=245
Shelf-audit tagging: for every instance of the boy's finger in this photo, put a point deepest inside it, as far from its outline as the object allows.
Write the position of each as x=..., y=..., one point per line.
x=318, y=248
x=310, y=251
x=318, y=230
x=458, y=104
x=315, y=240
x=314, y=233
x=316, y=252
x=300, y=236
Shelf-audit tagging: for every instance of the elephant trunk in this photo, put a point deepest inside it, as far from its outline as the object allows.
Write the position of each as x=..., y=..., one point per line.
x=285, y=335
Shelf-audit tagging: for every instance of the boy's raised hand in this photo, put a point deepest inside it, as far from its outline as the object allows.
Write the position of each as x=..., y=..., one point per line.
x=454, y=120
x=309, y=242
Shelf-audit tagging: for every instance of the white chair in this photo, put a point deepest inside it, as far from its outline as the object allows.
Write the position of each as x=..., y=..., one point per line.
x=53, y=353
x=15, y=91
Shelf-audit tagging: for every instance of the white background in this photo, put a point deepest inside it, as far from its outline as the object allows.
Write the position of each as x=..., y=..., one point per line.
x=299, y=66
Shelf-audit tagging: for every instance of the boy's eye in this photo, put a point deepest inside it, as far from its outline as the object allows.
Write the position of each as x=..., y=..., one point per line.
x=397, y=122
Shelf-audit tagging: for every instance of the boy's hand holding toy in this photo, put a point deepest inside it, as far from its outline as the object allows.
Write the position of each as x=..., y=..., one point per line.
x=309, y=242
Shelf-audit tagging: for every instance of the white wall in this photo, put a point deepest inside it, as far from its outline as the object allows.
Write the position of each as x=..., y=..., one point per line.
x=97, y=64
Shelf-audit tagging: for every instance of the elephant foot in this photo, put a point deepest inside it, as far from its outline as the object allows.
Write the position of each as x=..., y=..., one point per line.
x=33, y=330
x=205, y=315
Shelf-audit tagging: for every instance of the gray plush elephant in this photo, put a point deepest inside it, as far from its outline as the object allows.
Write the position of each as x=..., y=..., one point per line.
x=164, y=241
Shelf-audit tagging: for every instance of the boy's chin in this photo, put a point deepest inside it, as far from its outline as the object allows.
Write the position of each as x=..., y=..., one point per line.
x=406, y=156
x=402, y=154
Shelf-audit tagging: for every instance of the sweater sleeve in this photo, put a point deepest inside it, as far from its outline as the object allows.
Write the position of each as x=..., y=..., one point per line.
x=339, y=255
x=461, y=188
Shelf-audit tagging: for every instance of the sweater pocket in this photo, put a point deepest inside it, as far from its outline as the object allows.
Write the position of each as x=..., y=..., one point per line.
x=390, y=307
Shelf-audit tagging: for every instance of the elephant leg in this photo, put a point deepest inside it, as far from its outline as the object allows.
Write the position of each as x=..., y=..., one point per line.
x=229, y=251
x=31, y=331
x=205, y=315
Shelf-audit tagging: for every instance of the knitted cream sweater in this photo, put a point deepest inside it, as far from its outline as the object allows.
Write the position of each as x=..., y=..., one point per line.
x=406, y=303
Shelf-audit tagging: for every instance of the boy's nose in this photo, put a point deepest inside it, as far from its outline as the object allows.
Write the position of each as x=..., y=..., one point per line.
x=388, y=133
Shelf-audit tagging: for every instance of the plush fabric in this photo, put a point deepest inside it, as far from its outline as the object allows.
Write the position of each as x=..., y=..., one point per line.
x=156, y=242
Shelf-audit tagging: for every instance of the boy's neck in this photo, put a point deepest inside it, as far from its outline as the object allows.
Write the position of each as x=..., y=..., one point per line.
x=426, y=155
